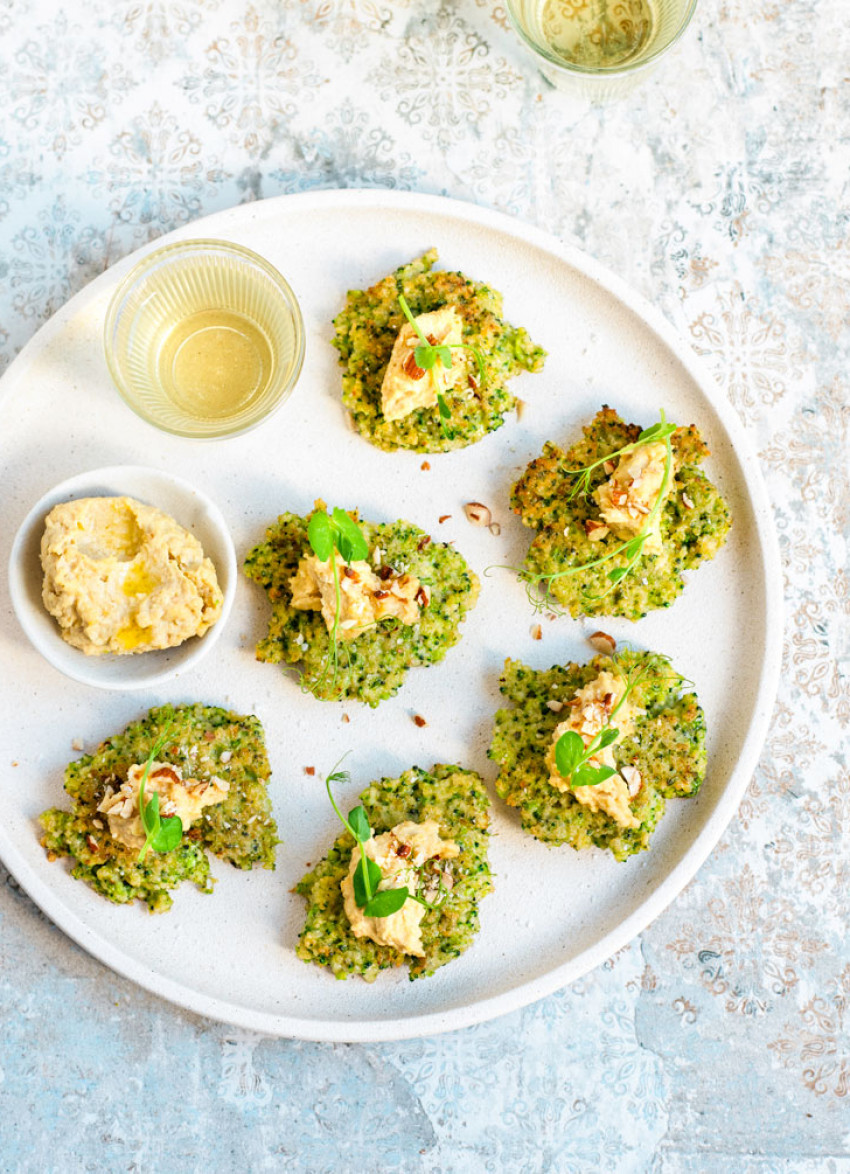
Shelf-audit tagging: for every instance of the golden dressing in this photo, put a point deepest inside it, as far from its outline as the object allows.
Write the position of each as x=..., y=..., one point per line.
x=213, y=363
x=597, y=34
x=139, y=580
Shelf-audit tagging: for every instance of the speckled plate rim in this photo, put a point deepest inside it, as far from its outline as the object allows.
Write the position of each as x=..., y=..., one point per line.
x=374, y=1031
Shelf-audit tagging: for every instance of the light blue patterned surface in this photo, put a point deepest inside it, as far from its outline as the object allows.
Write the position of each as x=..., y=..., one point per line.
x=721, y=1039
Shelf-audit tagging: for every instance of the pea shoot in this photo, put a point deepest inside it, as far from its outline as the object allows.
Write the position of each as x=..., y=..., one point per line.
x=368, y=876
x=661, y=431
x=572, y=756
x=162, y=833
x=428, y=354
x=329, y=535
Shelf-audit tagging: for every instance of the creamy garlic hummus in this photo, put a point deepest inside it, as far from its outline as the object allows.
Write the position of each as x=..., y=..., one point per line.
x=590, y=710
x=630, y=493
x=399, y=854
x=184, y=798
x=124, y=577
x=364, y=598
x=406, y=386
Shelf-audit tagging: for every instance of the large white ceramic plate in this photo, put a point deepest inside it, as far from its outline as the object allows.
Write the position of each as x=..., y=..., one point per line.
x=554, y=913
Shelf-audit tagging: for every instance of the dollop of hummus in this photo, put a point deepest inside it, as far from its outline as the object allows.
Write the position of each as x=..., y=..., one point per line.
x=631, y=491
x=591, y=710
x=364, y=597
x=400, y=854
x=406, y=386
x=124, y=577
x=185, y=798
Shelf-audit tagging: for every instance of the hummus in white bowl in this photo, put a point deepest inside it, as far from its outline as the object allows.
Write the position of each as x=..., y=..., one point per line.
x=124, y=577
x=138, y=564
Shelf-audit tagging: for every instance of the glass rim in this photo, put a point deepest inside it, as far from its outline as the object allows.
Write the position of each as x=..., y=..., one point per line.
x=598, y=71
x=200, y=245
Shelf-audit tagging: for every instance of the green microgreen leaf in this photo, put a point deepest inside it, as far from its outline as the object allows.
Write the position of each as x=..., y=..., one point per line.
x=607, y=737
x=385, y=903
x=348, y=537
x=618, y=574
x=160, y=834
x=320, y=535
x=658, y=431
x=425, y=356
x=591, y=776
x=169, y=835
x=366, y=879
x=358, y=823
x=325, y=535
x=569, y=752
x=149, y=812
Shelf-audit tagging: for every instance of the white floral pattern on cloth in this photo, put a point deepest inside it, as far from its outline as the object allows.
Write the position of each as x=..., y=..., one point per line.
x=718, y=190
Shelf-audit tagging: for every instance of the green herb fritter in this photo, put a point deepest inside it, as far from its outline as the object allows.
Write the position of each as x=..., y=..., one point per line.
x=206, y=745
x=362, y=663
x=457, y=800
x=659, y=754
x=628, y=568
x=366, y=331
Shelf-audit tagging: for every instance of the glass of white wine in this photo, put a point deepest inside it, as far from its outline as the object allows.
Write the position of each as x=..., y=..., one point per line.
x=204, y=339
x=599, y=49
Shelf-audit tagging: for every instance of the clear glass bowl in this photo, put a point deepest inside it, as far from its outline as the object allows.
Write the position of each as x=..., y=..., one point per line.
x=565, y=37
x=204, y=339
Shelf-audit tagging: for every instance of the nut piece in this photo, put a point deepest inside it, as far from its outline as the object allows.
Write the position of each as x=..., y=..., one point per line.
x=686, y=501
x=495, y=529
x=477, y=513
x=633, y=779
x=536, y=632
x=411, y=368
x=594, y=529
x=520, y=408
x=602, y=642
x=419, y=720
x=555, y=706
x=443, y=518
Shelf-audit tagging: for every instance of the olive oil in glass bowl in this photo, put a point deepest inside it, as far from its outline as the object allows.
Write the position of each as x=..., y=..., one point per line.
x=599, y=49
x=204, y=339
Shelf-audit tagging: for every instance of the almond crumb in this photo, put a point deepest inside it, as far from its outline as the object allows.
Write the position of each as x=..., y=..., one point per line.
x=349, y=422
x=309, y=770
x=689, y=505
x=594, y=529
x=346, y=718
x=443, y=518
x=76, y=744
x=495, y=529
x=536, y=632
x=419, y=720
x=633, y=778
x=477, y=513
x=602, y=642
x=555, y=706
x=520, y=408
x=425, y=466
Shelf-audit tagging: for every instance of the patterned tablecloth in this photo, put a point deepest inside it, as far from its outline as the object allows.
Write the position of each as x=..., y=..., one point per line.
x=719, y=1040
